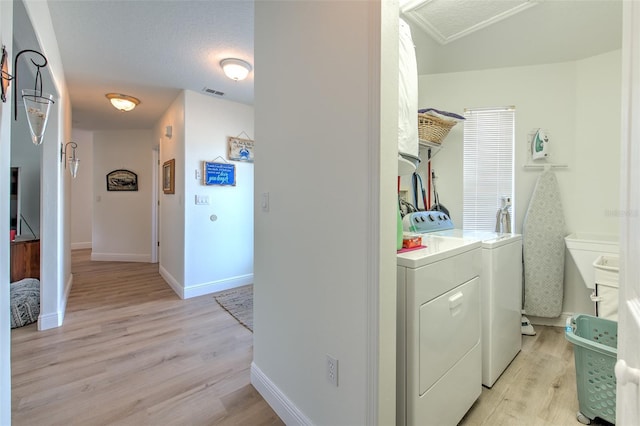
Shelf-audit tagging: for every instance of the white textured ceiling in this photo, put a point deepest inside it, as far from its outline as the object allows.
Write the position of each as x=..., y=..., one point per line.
x=153, y=49
x=447, y=20
x=551, y=32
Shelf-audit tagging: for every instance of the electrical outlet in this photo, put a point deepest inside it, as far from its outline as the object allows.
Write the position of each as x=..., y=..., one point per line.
x=332, y=370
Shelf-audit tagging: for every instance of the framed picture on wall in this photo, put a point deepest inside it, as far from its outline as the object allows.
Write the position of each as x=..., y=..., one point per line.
x=122, y=180
x=240, y=149
x=169, y=176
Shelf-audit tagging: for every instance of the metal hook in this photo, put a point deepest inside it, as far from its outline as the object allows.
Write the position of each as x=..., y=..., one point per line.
x=38, y=77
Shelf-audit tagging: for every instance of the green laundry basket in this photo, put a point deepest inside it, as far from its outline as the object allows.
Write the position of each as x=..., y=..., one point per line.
x=595, y=343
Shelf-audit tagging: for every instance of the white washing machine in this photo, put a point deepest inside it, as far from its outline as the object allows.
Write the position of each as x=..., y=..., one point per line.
x=501, y=295
x=439, y=352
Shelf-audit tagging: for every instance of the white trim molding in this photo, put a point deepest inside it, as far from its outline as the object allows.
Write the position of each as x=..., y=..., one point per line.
x=203, y=288
x=173, y=283
x=48, y=321
x=121, y=257
x=80, y=246
x=215, y=286
x=284, y=408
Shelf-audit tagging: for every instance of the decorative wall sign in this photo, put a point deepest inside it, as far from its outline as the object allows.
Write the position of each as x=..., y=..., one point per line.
x=240, y=149
x=169, y=176
x=219, y=173
x=122, y=180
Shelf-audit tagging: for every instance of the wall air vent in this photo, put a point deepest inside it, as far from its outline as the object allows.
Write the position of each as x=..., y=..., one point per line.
x=212, y=92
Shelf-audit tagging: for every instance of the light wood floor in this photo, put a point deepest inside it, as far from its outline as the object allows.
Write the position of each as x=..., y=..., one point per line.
x=538, y=388
x=131, y=352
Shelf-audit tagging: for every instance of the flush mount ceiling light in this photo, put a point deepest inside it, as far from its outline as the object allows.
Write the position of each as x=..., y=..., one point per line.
x=122, y=102
x=235, y=69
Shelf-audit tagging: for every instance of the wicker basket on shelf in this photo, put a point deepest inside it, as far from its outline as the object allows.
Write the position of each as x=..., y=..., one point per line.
x=433, y=129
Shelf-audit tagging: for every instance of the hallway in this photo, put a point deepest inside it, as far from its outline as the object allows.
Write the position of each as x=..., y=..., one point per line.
x=131, y=352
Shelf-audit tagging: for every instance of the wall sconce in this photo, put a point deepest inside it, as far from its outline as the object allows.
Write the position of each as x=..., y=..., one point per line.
x=36, y=103
x=235, y=69
x=122, y=102
x=74, y=161
x=6, y=77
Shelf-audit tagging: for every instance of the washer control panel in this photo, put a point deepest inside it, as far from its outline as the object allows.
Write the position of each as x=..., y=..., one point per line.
x=427, y=221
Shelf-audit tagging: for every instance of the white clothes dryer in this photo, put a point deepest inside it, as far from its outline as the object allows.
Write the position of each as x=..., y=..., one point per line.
x=439, y=362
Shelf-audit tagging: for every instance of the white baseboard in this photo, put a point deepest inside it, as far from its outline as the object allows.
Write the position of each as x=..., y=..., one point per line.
x=78, y=246
x=121, y=257
x=173, y=283
x=284, y=408
x=561, y=321
x=55, y=319
x=67, y=290
x=215, y=286
x=204, y=288
x=52, y=320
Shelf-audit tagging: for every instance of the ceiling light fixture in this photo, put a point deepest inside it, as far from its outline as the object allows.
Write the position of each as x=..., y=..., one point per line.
x=235, y=69
x=122, y=102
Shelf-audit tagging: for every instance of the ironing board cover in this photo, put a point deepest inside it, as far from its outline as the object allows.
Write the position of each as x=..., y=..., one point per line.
x=543, y=232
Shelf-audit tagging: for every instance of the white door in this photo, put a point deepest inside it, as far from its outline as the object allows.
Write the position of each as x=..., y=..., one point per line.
x=627, y=373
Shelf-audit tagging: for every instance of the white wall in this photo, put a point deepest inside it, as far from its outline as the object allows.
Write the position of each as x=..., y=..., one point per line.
x=121, y=219
x=55, y=255
x=383, y=302
x=6, y=37
x=321, y=249
x=199, y=255
x=82, y=190
x=579, y=103
x=218, y=254
x=172, y=212
x=27, y=156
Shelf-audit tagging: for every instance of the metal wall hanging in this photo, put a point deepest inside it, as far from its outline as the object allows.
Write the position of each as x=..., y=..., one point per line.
x=74, y=161
x=36, y=102
x=6, y=77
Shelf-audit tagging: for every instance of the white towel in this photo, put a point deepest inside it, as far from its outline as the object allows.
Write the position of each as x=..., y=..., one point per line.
x=408, y=94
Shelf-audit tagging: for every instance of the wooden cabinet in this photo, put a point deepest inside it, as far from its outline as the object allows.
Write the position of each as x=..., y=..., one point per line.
x=25, y=259
x=14, y=200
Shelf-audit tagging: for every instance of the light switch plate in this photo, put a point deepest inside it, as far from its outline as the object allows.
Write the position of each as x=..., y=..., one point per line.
x=202, y=200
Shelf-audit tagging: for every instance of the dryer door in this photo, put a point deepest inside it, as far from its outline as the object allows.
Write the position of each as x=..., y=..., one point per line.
x=449, y=329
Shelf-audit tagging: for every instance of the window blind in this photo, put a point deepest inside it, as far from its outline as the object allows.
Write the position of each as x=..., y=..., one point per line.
x=488, y=165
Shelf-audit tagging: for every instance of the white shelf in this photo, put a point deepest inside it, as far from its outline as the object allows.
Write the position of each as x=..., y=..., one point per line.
x=428, y=144
x=545, y=166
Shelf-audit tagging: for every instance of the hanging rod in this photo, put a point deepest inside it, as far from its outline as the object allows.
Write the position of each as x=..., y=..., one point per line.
x=545, y=166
